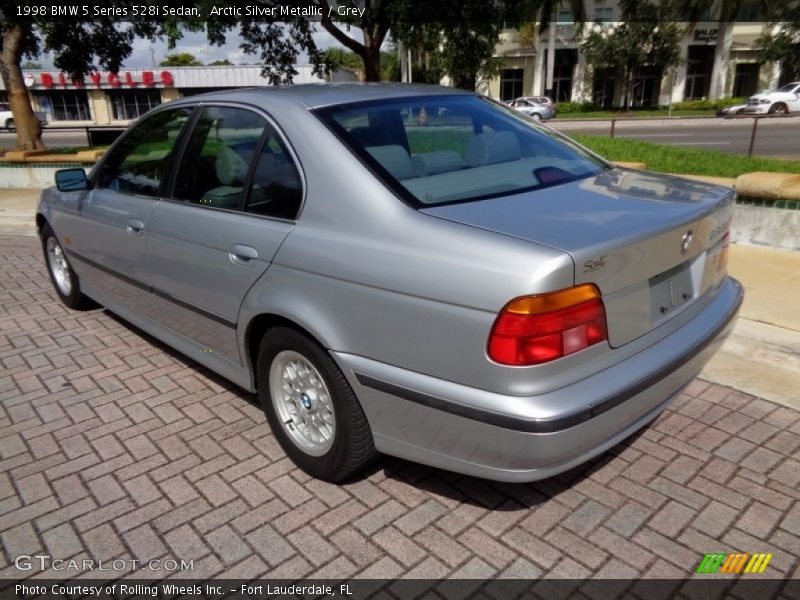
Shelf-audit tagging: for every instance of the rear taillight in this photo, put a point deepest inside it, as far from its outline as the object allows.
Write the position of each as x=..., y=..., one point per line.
x=537, y=329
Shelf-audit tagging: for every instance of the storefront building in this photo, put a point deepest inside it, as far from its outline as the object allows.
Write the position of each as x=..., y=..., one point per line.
x=117, y=99
x=704, y=72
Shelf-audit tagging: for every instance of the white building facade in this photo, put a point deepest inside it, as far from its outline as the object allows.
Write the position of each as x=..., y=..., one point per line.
x=703, y=72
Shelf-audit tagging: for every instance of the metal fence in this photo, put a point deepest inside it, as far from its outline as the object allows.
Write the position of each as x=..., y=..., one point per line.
x=762, y=135
x=767, y=135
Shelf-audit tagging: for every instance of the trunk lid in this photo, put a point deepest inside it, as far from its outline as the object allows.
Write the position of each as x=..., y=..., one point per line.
x=651, y=243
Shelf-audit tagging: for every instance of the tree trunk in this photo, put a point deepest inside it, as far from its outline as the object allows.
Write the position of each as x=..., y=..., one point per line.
x=372, y=57
x=29, y=133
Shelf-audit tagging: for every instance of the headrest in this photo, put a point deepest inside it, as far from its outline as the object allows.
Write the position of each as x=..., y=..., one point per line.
x=440, y=161
x=231, y=168
x=394, y=159
x=492, y=147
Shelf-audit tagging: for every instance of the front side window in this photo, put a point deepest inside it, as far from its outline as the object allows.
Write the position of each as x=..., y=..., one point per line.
x=139, y=162
x=444, y=149
x=216, y=163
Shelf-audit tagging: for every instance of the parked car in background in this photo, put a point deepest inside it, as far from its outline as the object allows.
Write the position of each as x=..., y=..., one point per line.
x=540, y=108
x=782, y=101
x=475, y=292
x=731, y=111
x=7, y=119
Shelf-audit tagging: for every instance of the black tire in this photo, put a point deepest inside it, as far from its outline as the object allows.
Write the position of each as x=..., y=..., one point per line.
x=536, y=117
x=352, y=447
x=72, y=297
x=778, y=109
x=10, y=125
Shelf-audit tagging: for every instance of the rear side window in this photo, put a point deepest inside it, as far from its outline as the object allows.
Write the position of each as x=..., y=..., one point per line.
x=216, y=163
x=139, y=162
x=276, y=189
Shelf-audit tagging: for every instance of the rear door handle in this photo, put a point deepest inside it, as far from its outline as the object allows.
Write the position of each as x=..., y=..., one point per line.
x=135, y=226
x=243, y=254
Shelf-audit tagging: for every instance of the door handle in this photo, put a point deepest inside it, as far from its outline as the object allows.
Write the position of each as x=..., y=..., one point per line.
x=242, y=253
x=135, y=226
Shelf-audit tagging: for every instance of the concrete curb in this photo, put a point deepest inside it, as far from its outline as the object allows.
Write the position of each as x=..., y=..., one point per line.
x=776, y=186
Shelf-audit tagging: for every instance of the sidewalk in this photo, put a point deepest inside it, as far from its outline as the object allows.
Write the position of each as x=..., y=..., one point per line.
x=762, y=356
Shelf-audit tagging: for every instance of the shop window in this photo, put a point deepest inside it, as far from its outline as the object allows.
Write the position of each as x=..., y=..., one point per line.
x=698, y=72
x=511, y=84
x=132, y=104
x=563, y=72
x=603, y=88
x=67, y=106
x=603, y=14
x=564, y=17
x=745, y=80
x=646, y=88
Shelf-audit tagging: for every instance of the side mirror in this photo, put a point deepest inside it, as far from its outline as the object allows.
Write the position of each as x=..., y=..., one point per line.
x=71, y=180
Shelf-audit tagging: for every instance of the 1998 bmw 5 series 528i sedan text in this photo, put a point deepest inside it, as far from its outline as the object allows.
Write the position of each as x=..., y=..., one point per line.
x=412, y=270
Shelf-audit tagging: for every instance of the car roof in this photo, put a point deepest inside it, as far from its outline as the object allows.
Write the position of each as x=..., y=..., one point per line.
x=316, y=95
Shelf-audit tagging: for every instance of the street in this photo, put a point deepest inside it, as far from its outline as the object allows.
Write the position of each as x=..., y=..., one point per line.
x=774, y=136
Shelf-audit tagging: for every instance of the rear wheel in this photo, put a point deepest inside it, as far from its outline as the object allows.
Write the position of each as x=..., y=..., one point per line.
x=10, y=124
x=778, y=109
x=311, y=408
x=537, y=116
x=65, y=281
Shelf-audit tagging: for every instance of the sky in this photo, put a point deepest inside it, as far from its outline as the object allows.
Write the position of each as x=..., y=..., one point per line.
x=147, y=54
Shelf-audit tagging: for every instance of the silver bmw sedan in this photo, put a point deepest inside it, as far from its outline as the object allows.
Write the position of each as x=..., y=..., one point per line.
x=410, y=270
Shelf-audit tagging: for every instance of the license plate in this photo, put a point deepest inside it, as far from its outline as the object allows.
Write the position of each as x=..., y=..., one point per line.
x=670, y=290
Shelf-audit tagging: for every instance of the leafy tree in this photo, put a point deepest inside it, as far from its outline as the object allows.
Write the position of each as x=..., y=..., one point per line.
x=457, y=39
x=646, y=39
x=79, y=44
x=29, y=64
x=339, y=57
x=277, y=43
x=182, y=59
x=221, y=63
x=782, y=46
x=374, y=23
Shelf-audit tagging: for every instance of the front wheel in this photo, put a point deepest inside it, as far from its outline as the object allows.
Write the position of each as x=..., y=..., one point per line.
x=778, y=109
x=10, y=125
x=311, y=408
x=65, y=281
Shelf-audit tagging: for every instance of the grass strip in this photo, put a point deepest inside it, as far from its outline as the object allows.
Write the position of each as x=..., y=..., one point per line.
x=681, y=159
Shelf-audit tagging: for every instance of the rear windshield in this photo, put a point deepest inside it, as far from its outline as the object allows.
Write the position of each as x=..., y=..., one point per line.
x=444, y=149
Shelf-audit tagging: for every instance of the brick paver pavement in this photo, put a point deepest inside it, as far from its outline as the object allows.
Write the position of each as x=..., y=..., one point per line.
x=113, y=446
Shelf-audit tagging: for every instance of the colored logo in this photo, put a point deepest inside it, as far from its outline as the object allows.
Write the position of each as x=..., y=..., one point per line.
x=736, y=564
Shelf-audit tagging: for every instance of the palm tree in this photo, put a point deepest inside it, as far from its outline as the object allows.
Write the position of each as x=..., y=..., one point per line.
x=547, y=10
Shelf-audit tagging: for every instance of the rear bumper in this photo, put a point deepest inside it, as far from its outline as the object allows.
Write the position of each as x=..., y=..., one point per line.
x=448, y=425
